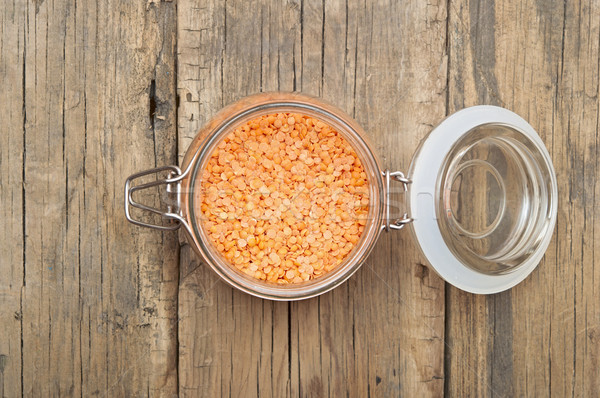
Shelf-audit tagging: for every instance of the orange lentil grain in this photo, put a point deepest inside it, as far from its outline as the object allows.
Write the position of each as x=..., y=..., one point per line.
x=284, y=198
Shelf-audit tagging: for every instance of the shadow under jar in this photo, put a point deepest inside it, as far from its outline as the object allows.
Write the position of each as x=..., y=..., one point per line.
x=481, y=196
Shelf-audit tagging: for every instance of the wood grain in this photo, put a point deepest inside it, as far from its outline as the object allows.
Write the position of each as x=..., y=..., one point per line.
x=539, y=59
x=93, y=306
x=12, y=192
x=370, y=329
x=230, y=343
x=393, y=82
x=88, y=308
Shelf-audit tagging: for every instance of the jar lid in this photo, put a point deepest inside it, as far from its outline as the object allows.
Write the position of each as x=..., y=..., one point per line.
x=483, y=199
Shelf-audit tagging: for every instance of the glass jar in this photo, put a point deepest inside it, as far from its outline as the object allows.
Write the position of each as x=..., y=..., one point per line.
x=481, y=196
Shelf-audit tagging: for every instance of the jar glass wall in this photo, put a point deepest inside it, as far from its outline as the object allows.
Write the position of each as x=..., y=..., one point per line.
x=264, y=104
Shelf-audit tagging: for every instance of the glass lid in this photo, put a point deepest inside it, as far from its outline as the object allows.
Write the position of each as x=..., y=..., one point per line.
x=483, y=199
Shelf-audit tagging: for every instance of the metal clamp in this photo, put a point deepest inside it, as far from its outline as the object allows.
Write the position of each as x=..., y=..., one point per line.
x=173, y=183
x=398, y=223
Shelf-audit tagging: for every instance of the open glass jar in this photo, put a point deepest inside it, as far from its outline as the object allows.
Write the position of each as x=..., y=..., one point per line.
x=481, y=196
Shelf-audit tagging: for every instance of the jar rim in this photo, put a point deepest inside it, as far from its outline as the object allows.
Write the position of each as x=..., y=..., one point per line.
x=261, y=104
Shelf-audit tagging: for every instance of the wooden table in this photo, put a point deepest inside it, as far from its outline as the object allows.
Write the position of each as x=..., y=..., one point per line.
x=93, y=91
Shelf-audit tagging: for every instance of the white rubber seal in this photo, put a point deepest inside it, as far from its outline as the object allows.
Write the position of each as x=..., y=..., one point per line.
x=427, y=165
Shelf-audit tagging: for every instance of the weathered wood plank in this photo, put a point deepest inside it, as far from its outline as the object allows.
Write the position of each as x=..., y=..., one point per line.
x=97, y=309
x=368, y=60
x=230, y=343
x=12, y=52
x=540, y=60
x=92, y=300
x=469, y=323
x=382, y=332
x=199, y=57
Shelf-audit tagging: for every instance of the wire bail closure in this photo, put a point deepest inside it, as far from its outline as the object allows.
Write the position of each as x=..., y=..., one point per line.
x=397, y=223
x=173, y=187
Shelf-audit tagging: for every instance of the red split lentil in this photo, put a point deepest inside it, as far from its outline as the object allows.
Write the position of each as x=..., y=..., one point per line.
x=284, y=198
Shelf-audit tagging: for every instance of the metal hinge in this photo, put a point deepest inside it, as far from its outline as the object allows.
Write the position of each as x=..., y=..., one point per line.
x=397, y=223
x=173, y=188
